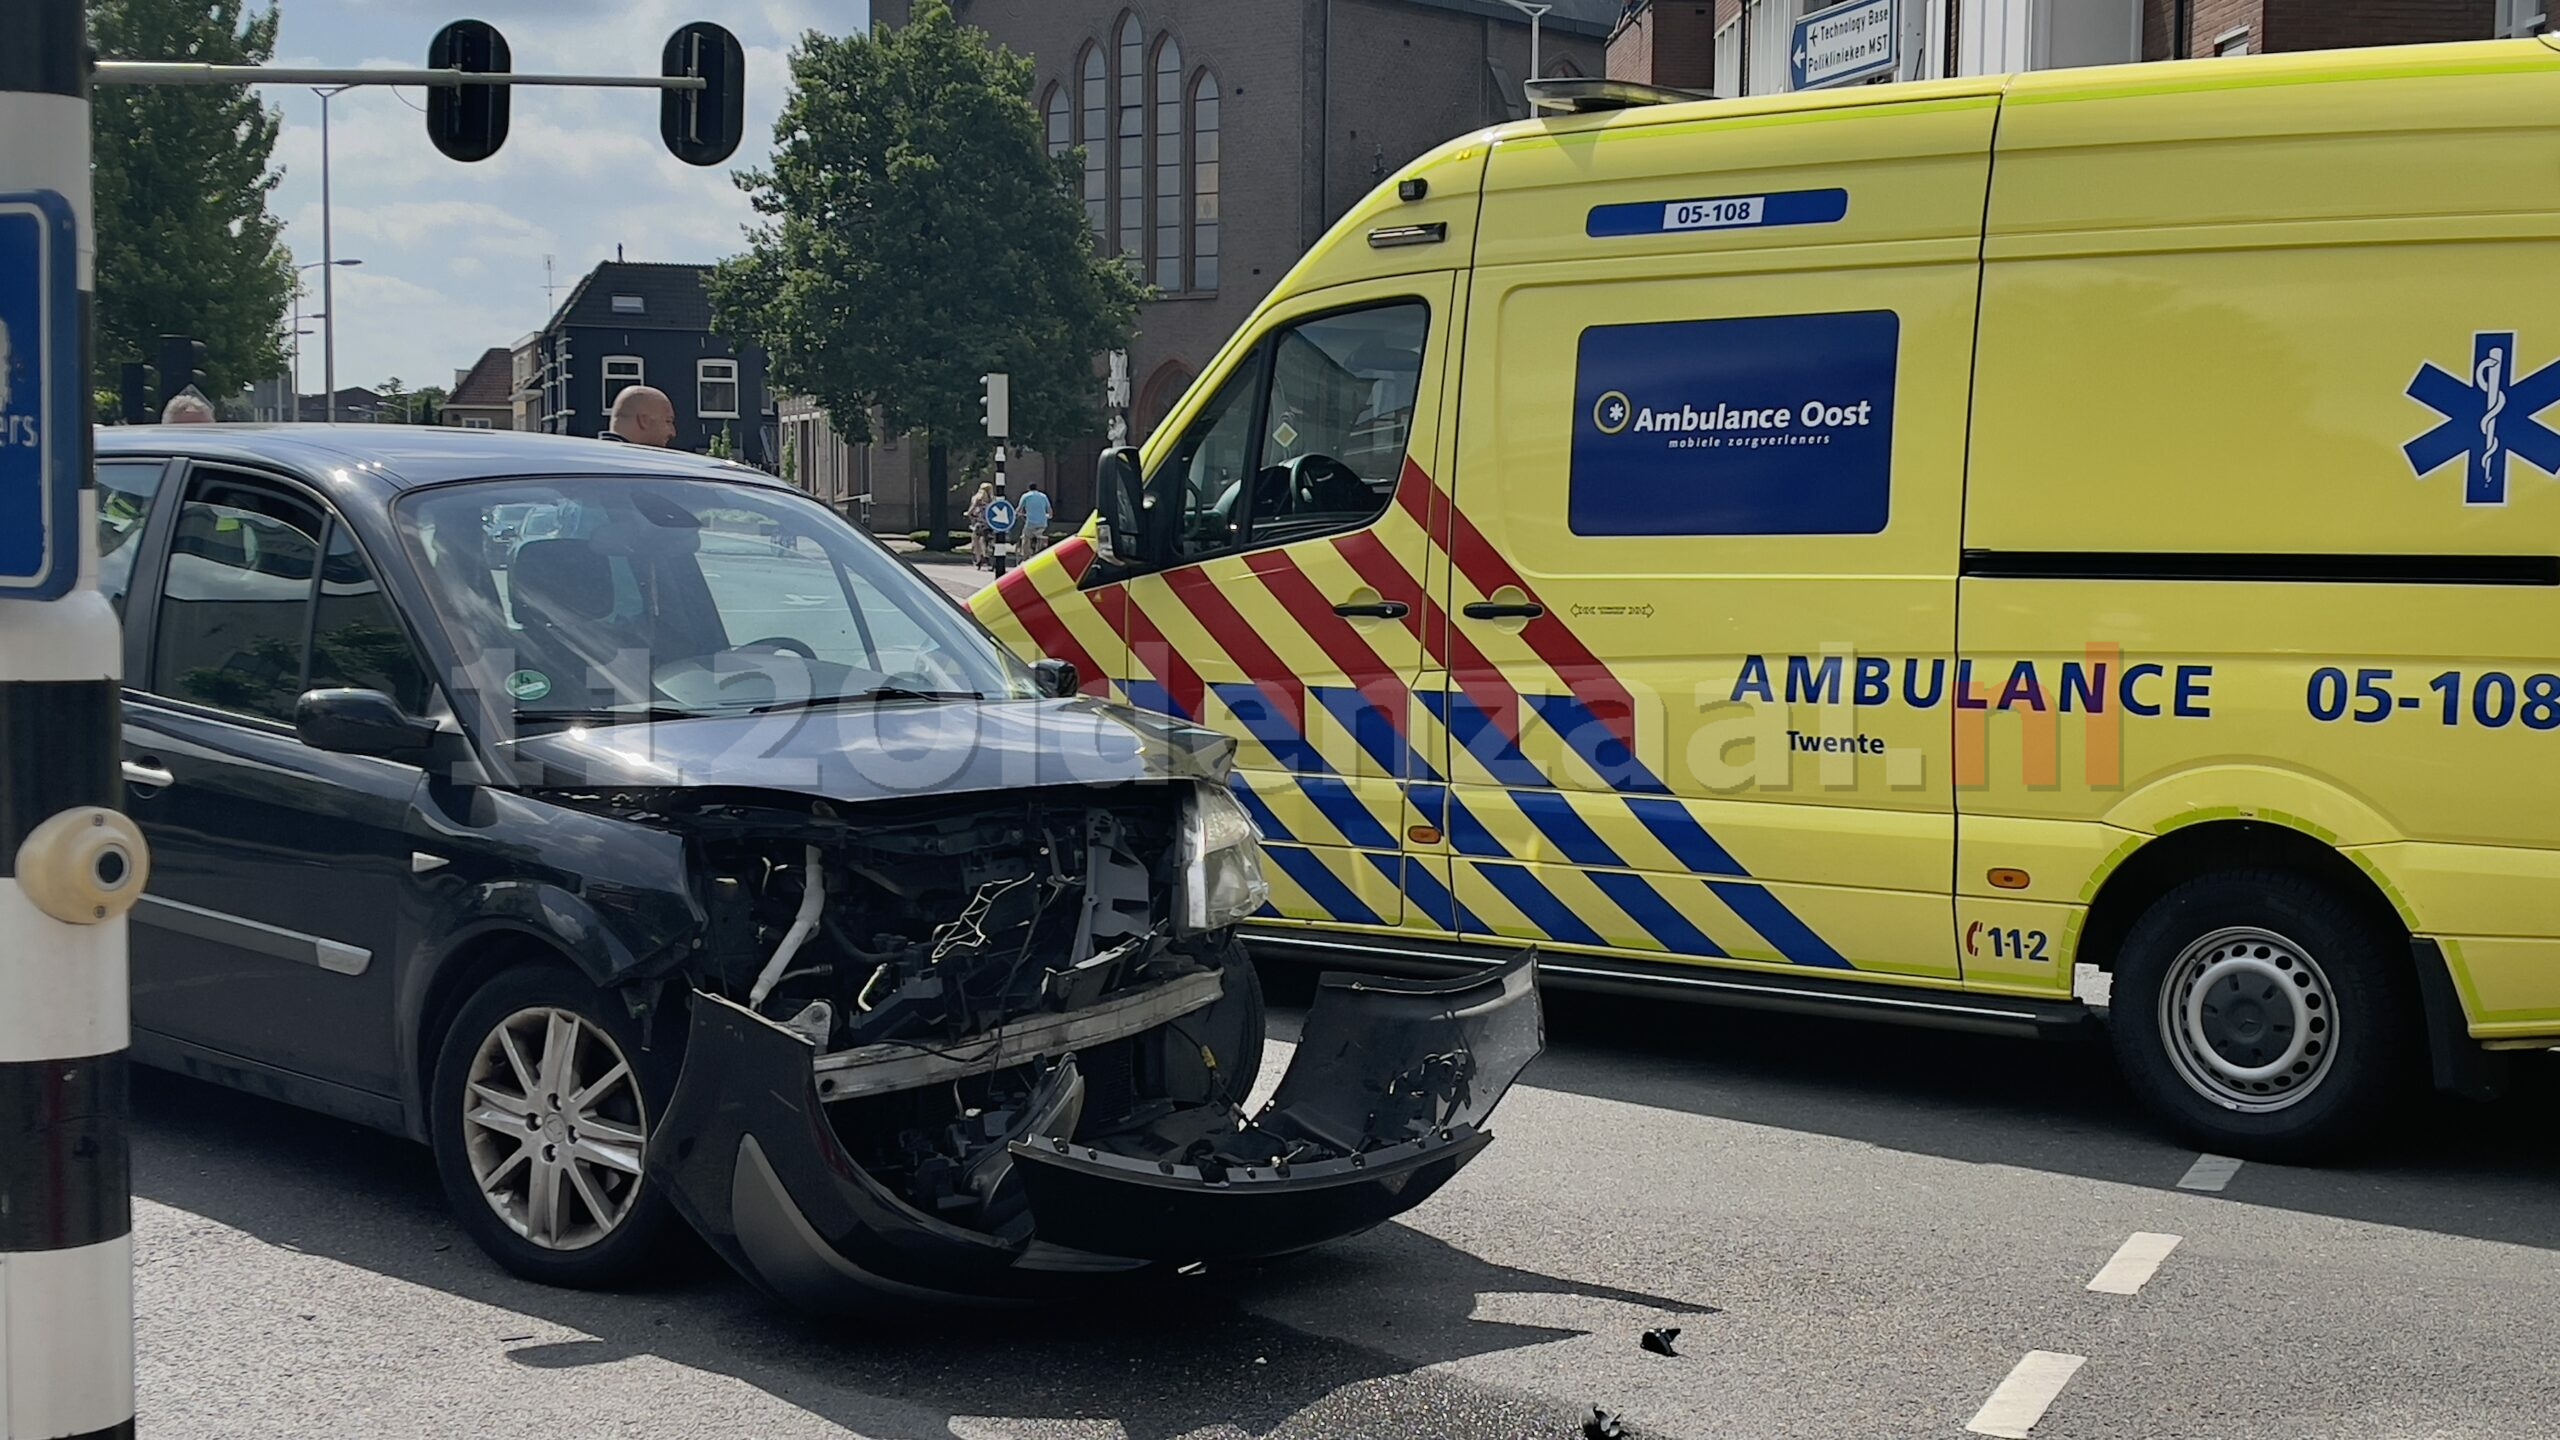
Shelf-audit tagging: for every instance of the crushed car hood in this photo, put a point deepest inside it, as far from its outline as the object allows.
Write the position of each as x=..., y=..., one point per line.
x=877, y=751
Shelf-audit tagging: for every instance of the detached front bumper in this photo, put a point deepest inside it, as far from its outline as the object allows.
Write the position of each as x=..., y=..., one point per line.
x=1389, y=1091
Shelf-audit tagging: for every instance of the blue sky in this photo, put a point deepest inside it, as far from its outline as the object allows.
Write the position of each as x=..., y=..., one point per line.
x=453, y=254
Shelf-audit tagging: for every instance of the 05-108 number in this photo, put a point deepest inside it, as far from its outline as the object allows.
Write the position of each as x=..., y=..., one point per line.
x=1712, y=214
x=2493, y=699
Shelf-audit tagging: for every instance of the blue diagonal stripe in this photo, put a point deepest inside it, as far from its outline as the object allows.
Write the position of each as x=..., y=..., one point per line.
x=1474, y=732
x=1686, y=839
x=1148, y=695
x=1434, y=900
x=1322, y=886
x=1647, y=907
x=1778, y=925
x=1274, y=731
x=1342, y=806
x=1261, y=812
x=1556, y=819
x=1599, y=747
x=1539, y=905
x=1368, y=725
x=1468, y=834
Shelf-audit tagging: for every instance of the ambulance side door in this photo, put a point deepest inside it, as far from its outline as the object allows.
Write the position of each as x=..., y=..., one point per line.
x=1704, y=538
x=1290, y=611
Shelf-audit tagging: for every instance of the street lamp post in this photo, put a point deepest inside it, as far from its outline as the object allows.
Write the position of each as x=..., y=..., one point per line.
x=1535, y=11
x=323, y=315
x=328, y=264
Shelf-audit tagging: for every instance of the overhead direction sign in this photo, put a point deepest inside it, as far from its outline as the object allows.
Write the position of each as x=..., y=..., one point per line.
x=41, y=406
x=1843, y=45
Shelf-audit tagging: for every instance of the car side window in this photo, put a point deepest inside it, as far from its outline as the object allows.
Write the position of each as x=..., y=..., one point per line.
x=1307, y=438
x=356, y=639
x=251, y=615
x=125, y=491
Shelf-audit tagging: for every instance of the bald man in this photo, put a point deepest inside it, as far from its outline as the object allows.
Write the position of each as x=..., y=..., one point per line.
x=643, y=415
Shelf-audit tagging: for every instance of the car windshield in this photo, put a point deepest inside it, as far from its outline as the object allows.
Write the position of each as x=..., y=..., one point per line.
x=606, y=597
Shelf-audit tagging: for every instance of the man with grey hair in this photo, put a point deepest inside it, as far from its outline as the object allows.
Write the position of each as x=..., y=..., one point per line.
x=187, y=408
x=642, y=415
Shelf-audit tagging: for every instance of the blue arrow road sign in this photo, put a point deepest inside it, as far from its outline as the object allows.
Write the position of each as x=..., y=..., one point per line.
x=40, y=397
x=1000, y=516
x=1842, y=45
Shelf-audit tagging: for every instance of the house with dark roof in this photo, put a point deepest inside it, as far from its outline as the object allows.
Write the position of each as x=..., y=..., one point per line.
x=483, y=396
x=632, y=322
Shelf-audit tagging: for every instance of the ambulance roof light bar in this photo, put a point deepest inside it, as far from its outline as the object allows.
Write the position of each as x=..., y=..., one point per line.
x=1584, y=94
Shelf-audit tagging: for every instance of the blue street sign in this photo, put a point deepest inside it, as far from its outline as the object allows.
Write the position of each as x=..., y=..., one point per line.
x=1000, y=516
x=1842, y=45
x=40, y=398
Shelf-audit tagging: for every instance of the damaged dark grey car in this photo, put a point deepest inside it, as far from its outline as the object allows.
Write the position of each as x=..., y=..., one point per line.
x=661, y=850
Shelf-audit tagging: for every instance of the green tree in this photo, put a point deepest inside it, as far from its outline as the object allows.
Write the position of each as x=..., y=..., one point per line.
x=918, y=236
x=186, y=245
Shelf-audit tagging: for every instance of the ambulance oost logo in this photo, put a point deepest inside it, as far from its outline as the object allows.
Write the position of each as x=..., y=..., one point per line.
x=2489, y=416
x=1612, y=412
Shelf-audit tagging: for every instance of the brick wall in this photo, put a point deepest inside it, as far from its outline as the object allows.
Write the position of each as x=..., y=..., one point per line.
x=1671, y=42
x=2329, y=24
x=1631, y=49
x=2314, y=24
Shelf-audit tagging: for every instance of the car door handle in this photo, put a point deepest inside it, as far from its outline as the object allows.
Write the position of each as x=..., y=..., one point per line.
x=147, y=775
x=1375, y=610
x=1488, y=610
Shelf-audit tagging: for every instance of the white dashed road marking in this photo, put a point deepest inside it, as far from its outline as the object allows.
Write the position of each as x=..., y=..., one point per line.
x=2210, y=1172
x=2137, y=1260
x=2020, y=1402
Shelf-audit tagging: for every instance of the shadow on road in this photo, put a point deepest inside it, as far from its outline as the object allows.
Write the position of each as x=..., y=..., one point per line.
x=2484, y=1171
x=1168, y=1361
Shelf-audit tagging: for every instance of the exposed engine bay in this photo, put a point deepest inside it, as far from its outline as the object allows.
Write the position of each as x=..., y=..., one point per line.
x=1002, y=1017
x=976, y=973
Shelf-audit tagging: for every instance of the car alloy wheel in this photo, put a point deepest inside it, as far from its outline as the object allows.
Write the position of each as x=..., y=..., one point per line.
x=555, y=1127
x=2249, y=1019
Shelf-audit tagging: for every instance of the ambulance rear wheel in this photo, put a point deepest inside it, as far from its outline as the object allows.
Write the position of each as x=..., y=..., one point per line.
x=2265, y=1016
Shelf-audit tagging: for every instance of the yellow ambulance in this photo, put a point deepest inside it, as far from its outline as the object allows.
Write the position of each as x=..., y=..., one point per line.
x=1888, y=551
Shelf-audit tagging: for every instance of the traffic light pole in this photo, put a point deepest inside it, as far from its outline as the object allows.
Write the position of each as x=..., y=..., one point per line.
x=66, y=1252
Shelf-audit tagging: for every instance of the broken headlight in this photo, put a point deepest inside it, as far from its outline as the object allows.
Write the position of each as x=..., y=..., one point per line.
x=1221, y=861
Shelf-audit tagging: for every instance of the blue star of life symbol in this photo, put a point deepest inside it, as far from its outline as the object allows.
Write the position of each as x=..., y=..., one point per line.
x=2488, y=417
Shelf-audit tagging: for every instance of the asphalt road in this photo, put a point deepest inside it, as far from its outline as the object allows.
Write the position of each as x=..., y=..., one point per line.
x=1858, y=1231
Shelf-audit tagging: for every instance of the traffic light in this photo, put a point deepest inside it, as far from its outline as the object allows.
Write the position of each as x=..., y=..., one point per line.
x=703, y=127
x=134, y=395
x=996, y=405
x=468, y=122
x=181, y=368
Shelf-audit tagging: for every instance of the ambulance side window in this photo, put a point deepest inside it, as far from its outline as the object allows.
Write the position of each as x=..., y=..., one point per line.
x=1307, y=438
x=1210, y=464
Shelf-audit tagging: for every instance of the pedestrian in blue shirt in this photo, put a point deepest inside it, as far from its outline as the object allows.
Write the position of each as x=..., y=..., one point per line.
x=1035, y=520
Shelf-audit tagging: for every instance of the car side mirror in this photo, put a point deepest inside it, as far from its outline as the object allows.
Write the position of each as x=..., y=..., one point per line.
x=359, y=722
x=1120, y=495
x=1056, y=679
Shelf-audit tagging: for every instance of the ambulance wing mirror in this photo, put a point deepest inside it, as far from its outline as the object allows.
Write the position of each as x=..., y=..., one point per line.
x=1119, y=493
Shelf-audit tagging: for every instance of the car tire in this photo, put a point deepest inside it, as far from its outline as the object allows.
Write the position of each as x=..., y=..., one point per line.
x=2266, y=1016
x=605, y=1221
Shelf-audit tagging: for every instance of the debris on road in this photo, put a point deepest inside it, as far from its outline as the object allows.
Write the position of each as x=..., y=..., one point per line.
x=1659, y=1341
